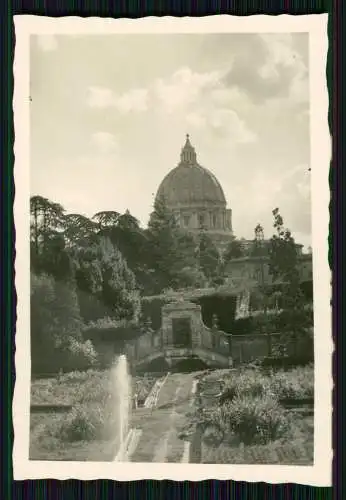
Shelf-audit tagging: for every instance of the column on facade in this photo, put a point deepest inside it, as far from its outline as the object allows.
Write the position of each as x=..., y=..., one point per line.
x=220, y=217
x=229, y=219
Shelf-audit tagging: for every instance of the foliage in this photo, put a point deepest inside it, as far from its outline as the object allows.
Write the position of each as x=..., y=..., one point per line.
x=102, y=273
x=250, y=402
x=91, y=393
x=56, y=339
x=164, y=252
x=81, y=424
x=151, y=308
x=191, y=277
x=106, y=218
x=255, y=419
x=283, y=263
x=249, y=383
x=208, y=256
x=234, y=250
x=296, y=384
x=46, y=218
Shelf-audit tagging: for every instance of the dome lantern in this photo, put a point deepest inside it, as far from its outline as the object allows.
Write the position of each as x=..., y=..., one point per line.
x=188, y=154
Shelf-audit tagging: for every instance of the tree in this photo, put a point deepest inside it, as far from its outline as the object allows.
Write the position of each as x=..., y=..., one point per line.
x=48, y=252
x=106, y=284
x=56, y=340
x=55, y=259
x=106, y=219
x=163, y=256
x=125, y=233
x=283, y=261
x=208, y=256
x=42, y=337
x=128, y=221
x=191, y=277
x=234, y=250
x=78, y=229
x=283, y=265
x=46, y=219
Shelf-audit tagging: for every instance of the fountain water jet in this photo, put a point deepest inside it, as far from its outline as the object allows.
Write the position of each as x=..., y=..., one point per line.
x=122, y=392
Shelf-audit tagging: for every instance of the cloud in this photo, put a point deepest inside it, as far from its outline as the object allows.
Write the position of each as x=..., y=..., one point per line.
x=286, y=61
x=104, y=142
x=295, y=198
x=47, y=43
x=200, y=100
x=183, y=88
x=99, y=97
x=290, y=192
x=205, y=103
x=135, y=100
x=271, y=68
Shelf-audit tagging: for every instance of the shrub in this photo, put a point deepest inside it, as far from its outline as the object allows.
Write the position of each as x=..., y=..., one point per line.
x=79, y=376
x=296, y=383
x=191, y=277
x=82, y=424
x=255, y=420
x=249, y=383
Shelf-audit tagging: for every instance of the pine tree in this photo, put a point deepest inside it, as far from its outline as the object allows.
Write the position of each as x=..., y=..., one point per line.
x=163, y=245
x=209, y=257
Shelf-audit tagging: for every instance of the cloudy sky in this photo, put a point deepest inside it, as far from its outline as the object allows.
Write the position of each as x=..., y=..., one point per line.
x=109, y=116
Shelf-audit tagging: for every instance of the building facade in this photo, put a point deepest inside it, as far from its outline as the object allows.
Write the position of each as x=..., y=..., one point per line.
x=255, y=271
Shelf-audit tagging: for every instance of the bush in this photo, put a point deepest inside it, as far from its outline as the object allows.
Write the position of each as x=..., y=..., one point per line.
x=191, y=277
x=256, y=420
x=250, y=383
x=297, y=383
x=82, y=424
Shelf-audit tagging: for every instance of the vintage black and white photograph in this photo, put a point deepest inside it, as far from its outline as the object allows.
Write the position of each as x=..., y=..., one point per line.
x=172, y=270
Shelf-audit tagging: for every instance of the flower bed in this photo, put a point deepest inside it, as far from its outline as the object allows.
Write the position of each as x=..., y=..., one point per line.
x=249, y=419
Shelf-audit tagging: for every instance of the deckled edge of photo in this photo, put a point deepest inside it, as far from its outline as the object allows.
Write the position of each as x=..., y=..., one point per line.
x=320, y=473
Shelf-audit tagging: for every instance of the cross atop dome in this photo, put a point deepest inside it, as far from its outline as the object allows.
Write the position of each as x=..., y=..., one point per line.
x=188, y=154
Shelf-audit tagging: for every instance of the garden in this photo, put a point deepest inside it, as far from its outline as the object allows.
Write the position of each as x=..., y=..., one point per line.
x=73, y=415
x=251, y=416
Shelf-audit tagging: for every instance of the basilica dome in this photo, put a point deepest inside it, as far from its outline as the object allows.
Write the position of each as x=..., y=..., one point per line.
x=195, y=197
x=190, y=184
